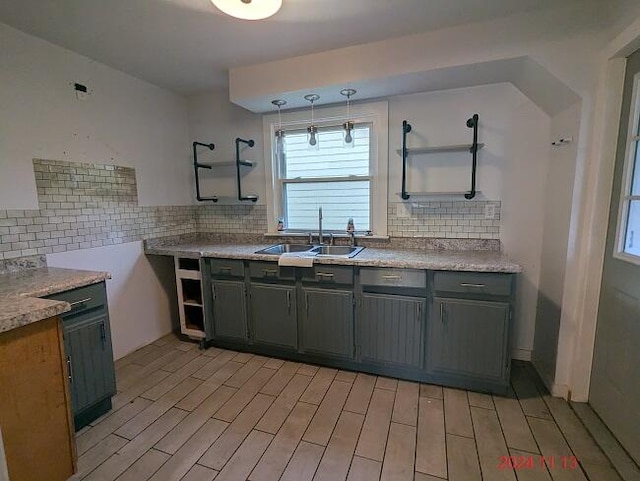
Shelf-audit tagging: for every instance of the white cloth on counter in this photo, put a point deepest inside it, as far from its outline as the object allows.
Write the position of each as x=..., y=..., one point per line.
x=295, y=259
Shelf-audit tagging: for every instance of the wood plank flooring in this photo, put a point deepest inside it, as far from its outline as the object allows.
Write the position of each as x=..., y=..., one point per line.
x=190, y=415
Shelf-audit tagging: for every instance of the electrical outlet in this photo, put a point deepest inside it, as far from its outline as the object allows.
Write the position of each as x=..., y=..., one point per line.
x=490, y=211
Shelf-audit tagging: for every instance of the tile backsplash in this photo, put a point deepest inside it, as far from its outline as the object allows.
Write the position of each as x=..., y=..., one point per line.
x=92, y=205
x=459, y=219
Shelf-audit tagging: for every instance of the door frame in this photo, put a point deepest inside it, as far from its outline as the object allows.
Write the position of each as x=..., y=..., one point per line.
x=577, y=339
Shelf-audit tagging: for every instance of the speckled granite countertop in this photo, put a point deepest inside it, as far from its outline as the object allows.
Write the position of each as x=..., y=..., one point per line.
x=444, y=260
x=20, y=293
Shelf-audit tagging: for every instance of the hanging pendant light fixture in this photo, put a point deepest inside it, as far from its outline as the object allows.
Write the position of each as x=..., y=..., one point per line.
x=249, y=9
x=312, y=130
x=279, y=133
x=348, y=125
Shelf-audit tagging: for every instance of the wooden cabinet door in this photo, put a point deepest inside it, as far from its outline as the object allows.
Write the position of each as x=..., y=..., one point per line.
x=92, y=375
x=229, y=310
x=468, y=338
x=37, y=430
x=273, y=311
x=327, y=326
x=391, y=329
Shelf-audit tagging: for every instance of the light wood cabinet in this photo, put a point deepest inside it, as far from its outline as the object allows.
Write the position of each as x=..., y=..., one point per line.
x=35, y=410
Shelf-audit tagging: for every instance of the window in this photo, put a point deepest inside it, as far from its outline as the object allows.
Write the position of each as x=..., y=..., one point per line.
x=347, y=182
x=628, y=233
x=333, y=177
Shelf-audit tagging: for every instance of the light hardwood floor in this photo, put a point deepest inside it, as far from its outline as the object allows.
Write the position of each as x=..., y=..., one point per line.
x=185, y=414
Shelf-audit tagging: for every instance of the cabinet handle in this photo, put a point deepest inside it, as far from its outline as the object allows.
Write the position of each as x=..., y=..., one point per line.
x=103, y=333
x=419, y=311
x=213, y=291
x=69, y=369
x=289, y=301
x=306, y=301
x=392, y=277
x=468, y=284
x=81, y=301
x=224, y=269
x=324, y=275
x=270, y=272
x=442, y=313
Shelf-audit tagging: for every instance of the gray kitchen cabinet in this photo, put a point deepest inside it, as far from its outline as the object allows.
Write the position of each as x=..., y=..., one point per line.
x=327, y=322
x=469, y=338
x=229, y=310
x=391, y=330
x=87, y=342
x=273, y=315
x=90, y=362
x=468, y=333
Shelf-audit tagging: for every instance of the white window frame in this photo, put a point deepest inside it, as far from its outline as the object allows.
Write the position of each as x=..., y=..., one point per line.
x=627, y=177
x=374, y=113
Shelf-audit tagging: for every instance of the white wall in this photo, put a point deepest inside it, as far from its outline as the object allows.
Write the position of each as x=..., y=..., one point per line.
x=141, y=291
x=124, y=121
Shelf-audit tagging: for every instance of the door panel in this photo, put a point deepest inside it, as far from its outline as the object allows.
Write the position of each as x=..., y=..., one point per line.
x=273, y=310
x=328, y=322
x=229, y=310
x=615, y=377
x=391, y=329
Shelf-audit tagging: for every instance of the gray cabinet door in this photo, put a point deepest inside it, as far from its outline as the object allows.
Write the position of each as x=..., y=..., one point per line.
x=390, y=329
x=327, y=326
x=229, y=310
x=273, y=311
x=468, y=338
x=88, y=347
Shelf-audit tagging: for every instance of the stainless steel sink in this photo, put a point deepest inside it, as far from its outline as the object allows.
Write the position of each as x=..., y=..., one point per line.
x=282, y=248
x=336, y=251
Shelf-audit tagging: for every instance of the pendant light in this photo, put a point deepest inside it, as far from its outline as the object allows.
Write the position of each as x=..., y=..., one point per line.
x=348, y=140
x=312, y=130
x=248, y=9
x=279, y=133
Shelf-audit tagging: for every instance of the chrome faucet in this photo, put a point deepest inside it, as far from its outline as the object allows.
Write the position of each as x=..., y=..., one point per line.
x=320, y=235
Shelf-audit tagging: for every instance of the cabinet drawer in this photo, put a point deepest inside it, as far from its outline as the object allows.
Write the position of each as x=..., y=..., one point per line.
x=83, y=299
x=473, y=283
x=329, y=274
x=270, y=271
x=227, y=267
x=393, y=277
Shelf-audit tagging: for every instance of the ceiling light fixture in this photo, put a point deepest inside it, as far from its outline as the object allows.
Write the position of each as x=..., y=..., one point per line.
x=249, y=9
x=348, y=125
x=312, y=130
x=279, y=131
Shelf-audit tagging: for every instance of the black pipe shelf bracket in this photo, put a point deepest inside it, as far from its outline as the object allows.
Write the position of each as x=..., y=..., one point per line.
x=472, y=148
x=241, y=162
x=199, y=165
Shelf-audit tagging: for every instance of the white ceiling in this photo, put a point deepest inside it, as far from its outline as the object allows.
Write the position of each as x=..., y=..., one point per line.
x=188, y=45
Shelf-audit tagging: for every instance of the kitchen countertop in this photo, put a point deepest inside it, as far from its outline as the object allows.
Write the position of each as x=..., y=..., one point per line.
x=20, y=293
x=446, y=260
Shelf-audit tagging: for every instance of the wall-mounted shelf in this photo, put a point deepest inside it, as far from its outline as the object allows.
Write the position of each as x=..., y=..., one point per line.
x=196, y=168
x=440, y=149
x=436, y=194
x=472, y=148
x=240, y=162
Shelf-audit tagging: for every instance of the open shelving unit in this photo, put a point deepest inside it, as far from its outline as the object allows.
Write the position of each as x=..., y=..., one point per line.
x=472, y=148
x=238, y=163
x=190, y=300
